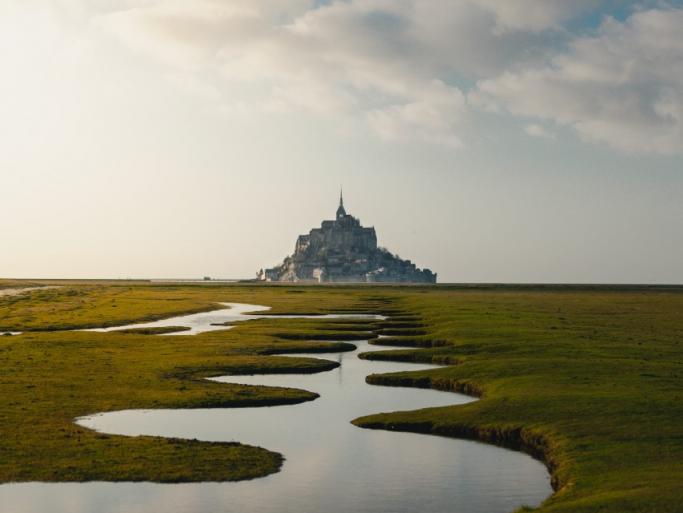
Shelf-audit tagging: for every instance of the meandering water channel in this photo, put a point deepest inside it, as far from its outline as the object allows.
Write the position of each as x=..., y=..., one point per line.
x=331, y=466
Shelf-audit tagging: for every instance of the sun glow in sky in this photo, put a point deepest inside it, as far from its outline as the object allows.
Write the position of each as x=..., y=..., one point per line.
x=520, y=141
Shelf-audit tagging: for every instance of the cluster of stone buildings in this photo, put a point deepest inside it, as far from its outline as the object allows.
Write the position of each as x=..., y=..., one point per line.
x=344, y=251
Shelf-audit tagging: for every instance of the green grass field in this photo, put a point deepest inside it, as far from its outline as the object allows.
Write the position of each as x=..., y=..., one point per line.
x=586, y=379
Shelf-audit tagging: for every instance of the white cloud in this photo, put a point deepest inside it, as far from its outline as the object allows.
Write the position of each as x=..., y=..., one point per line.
x=623, y=87
x=379, y=61
x=535, y=15
x=535, y=130
x=436, y=116
x=181, y=33
x=358, y=58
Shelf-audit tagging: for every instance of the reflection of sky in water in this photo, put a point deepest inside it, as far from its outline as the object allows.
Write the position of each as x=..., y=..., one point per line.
x=331, y=466
x=236, y=312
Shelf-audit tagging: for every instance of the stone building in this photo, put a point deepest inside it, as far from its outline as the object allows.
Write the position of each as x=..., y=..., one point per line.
x=342, y=250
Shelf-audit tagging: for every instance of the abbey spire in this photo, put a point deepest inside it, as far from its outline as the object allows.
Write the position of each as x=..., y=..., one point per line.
x=340, y=211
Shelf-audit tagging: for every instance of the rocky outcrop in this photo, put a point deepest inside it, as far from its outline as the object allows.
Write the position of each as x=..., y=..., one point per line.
x=343, y=250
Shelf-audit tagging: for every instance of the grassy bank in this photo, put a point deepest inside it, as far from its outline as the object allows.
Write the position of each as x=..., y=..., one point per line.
x=49, y=378
x=588, y=379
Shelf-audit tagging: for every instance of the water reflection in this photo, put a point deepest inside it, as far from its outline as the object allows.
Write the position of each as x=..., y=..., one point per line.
x=234, y=312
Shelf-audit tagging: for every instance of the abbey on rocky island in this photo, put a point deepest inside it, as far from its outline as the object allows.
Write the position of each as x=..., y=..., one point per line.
x=344, y=251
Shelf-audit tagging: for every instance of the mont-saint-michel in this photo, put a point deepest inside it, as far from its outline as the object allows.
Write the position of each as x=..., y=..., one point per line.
x=343, y=250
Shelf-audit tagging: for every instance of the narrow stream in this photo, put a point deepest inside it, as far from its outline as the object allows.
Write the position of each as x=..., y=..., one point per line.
x=215, y=320
x=331, y=466
x=25, y=290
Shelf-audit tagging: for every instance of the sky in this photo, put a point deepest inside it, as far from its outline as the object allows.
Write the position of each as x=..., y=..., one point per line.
x=490, y=141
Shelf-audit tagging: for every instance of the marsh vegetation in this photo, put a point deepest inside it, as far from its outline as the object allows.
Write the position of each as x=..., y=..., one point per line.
x=587, y=379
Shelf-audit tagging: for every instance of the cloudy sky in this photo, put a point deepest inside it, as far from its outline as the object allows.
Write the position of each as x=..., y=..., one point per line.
x=515, y=141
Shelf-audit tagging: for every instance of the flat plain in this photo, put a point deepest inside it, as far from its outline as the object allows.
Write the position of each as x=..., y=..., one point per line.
x=587, y=379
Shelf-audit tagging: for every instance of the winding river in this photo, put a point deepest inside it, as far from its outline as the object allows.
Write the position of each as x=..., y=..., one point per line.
x=331, y=466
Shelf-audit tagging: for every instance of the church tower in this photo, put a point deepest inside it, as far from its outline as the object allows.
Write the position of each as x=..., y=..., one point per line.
x=340, y=211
